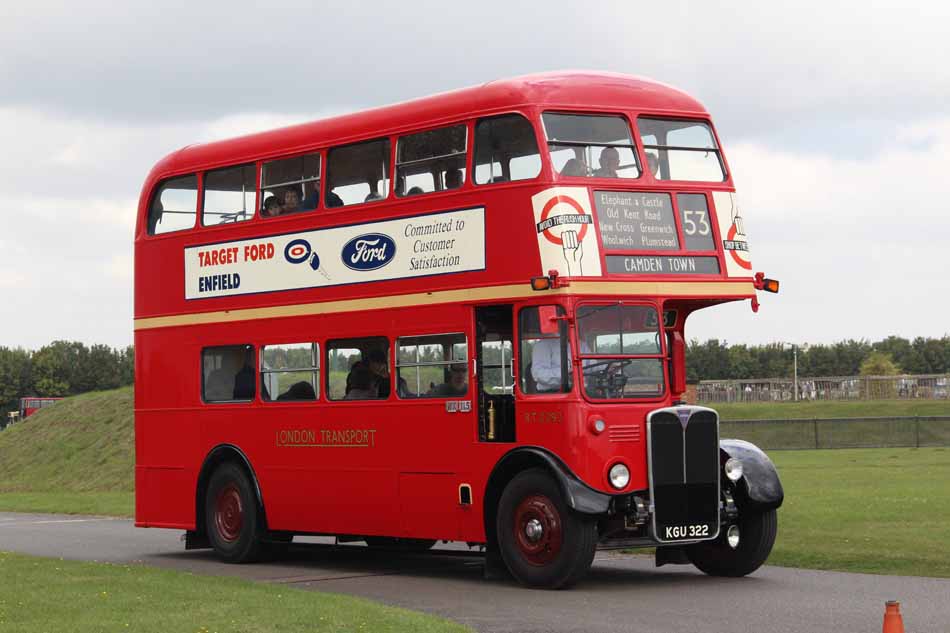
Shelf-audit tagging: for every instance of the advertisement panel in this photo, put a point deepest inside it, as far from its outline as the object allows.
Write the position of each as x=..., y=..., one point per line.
x=418, y=246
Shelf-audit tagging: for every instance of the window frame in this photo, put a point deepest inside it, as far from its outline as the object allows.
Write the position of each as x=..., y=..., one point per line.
x=449, y=363
x=633, y=131
x=464, y=153
x=201, y=361
x=320, y=179
x=565, y=336
x=530, y=118
x=203, y=193
x=389, y=176
x=156, y=194
x=348, y=342
x=661, y=356
x=315, y=370
x=712, y=133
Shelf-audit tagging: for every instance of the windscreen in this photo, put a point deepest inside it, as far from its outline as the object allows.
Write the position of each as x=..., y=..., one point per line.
x=621, y=351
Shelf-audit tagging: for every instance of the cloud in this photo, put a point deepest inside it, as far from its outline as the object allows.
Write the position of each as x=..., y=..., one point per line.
x=860, y=246
x=758, y=66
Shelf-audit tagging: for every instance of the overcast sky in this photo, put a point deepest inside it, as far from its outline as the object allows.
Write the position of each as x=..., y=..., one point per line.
x=835, y=119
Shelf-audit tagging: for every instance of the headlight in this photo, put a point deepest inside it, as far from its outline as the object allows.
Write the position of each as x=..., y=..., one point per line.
x=619, y=476
x=733, y=469
x=597, y=426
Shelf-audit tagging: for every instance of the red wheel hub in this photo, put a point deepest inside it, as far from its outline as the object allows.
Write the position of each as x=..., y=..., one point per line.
x=229, y=513
x=537, y=530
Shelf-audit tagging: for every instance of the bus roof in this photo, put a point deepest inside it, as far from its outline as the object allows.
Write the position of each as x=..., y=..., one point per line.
x=563, y=89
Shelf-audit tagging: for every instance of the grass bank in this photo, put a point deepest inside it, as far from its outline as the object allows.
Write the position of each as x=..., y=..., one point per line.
x=75, y=457
x=93, y=597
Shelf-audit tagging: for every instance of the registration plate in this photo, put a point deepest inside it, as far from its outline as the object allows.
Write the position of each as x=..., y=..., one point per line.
x=699, y=530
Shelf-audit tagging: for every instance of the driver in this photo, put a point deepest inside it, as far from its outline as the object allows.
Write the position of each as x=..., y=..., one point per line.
x=546, y=364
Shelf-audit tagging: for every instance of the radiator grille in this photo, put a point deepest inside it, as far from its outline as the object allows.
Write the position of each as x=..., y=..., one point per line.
x=684, y=473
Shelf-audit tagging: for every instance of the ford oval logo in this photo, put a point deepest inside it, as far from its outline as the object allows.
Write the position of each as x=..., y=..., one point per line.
x=369, y=252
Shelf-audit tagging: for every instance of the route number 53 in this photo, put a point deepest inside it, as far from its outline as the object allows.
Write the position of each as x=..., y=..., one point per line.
x=690, y=225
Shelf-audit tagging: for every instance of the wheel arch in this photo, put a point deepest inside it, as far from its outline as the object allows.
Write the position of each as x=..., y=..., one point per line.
x=760, y=487
x=221, y=454
x=578, y=495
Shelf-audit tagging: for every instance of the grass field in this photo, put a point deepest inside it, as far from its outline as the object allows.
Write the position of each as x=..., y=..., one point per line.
x=869, y=510
x=38, y=594
x=829, y=409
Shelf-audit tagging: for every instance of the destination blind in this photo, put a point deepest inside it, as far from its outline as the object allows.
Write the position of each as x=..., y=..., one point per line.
x=644, y=221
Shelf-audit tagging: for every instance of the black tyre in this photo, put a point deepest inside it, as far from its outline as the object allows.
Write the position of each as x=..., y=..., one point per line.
x=401, y=544
x=232, y=517
x=756, y=537
x=541, y=540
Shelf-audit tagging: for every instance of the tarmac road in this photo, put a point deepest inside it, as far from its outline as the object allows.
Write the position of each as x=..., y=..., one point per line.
x=622, y=593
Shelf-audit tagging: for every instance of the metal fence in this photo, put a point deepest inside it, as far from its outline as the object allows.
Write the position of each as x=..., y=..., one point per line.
x=887, y=432
x=928, y=387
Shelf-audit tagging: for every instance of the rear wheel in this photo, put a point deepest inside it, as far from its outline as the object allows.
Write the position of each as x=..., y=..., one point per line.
x=756, y=537
x=232, y=516
x=542, y=541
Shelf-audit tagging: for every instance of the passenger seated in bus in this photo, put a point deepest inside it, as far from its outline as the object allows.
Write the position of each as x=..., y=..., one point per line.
x=244, y=379
x=415, y=191
x=457, y=384
x=291, y=200
x=333, y=200
x=271, y=207
x=311, y=201
x=363, y=384
x=302, y=390
x=609, y=162
x=219, y=385
x=574, y=167
x=653, y=163
x=372, y=195
x=453, y=179
x=379, y=368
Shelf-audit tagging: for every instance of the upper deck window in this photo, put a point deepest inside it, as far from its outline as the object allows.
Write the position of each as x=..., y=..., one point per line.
x=174, y=206
x=290, y=185
x=358, y=173
x=505, y=149
x=681, y=150
x=590, y=145
x=229, y=195
x=431, y=161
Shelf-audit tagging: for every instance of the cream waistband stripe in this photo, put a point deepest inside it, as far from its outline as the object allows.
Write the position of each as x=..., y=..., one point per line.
x=486, y=293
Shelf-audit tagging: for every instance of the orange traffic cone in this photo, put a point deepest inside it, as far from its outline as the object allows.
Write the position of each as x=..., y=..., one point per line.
x=893, y=622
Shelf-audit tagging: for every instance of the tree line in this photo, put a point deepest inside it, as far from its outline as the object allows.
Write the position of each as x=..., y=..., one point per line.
x=718, y=360
x=62, y=368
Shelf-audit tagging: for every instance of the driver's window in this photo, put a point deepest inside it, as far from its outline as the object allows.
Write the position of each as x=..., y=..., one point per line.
x=545, y=354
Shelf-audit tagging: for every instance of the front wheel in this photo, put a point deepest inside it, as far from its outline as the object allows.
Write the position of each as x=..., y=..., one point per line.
x=232, y=516
x=756, y=537
x=542, y=541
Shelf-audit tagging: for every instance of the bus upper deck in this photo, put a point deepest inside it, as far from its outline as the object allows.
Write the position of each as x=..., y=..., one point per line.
x=616, y=183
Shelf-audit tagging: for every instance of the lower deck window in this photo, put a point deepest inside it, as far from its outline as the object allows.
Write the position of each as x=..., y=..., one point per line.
x=433, y=366
x=290, y=372
x=228, y=373
x=358, y=369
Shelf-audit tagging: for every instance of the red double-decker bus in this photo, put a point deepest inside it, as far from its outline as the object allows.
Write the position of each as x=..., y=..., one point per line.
x=459, y=318
x=29, y=406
